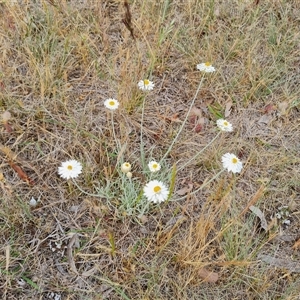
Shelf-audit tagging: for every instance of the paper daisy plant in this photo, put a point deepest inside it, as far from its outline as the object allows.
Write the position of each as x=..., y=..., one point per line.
x=154, y=166
x=156, y=192
x=206, y=67
x=111, y=103
x=224, y=125
x=232, y=163
x=146, y=85
x=70, y=169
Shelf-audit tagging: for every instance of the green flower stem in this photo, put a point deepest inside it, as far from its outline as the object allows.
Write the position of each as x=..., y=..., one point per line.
x=201, y=151
x=141, y=143
x=145, y=208
x=234, y=186
x=184, y=122
x=113, y=129
x=81, y=190
x=203, y=185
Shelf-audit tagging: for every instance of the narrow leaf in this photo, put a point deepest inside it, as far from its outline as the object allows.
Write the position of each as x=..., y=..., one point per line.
x=261, y=216
x=21, y=173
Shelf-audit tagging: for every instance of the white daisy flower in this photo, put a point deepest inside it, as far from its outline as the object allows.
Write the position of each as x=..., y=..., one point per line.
x=111, y=103
x=206, y=67
x=232, y=163
x=156, y=191
x=224, y=125
x=146, y=85
x=126, y=167
x=70, y=169
x=154, y=166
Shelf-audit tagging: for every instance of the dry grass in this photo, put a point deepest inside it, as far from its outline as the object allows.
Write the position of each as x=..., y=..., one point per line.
x=60, y=60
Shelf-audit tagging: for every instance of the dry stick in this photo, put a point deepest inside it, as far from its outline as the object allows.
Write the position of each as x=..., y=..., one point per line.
x=183, y=124
x=127, y=19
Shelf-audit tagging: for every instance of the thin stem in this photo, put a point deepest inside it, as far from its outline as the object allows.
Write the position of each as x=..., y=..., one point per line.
x=201, y=151
x=141, y=136
x=81, y=190
x=146, y=206
x=234, y=187
x=203, y=185
x=113, y=129
x=184, y=122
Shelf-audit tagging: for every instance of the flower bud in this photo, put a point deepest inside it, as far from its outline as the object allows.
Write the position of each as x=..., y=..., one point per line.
x=126, y=167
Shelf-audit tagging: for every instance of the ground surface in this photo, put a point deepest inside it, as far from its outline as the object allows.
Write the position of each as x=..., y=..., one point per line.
x=59, y=61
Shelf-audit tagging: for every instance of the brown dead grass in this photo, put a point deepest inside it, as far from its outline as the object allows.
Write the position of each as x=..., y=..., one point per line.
x=60, y=60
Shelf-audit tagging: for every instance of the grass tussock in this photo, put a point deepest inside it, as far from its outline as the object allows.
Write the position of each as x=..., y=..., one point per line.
x=97, y=236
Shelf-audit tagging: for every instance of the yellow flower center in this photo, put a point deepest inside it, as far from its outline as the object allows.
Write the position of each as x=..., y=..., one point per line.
x=157, y=189
x=225, y=123
x=127, y=165
x=154, y=166
x=207, y=64
x=146, y=82
x=234, y=160
x=112, y=103
x=69, y=167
